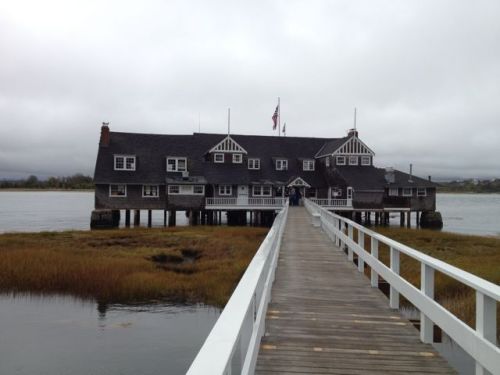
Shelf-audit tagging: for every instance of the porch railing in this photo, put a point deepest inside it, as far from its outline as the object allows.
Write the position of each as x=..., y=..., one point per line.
x=332, y=202
x=479, y=343
x=233, y=344
x=246, y=201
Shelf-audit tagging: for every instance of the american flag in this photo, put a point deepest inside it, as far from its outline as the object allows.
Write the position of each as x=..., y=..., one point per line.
x=284, y=128
x=275, y=117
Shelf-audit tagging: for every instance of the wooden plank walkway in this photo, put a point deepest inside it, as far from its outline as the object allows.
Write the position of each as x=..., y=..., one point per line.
x=325, y=318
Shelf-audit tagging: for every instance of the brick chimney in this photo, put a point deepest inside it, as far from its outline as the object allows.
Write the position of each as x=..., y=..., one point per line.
x=104, y=141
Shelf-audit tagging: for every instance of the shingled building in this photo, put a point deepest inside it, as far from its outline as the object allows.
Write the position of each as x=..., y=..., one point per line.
x=206, y=174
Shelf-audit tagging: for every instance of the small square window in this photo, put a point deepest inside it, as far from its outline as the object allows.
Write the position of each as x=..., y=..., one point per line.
x=124, y=163
x=253, y=163
x=281, y=165
x=199, y=189
x=173, y=189
x=218, y=158
x=353, y=160
x=237, y=158
x=407, y=192
x=117, y=190
x=225, y=189
x=308, y=165
x=421, y=192
x=150, y=191
x=393, y=192
x=340, y=160
x=365, y=160
x=176, y=164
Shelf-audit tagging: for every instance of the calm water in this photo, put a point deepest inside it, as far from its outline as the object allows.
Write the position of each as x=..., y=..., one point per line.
x=52, y=336
x=53, y=210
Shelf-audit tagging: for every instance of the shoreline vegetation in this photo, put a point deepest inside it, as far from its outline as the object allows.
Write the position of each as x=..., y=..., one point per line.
x=470, y=186
x=475, y=254
x=75, y=182
x=130, y=266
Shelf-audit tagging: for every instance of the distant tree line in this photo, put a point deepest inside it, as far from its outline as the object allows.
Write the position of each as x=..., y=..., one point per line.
x=77, y=181
x=470, y=186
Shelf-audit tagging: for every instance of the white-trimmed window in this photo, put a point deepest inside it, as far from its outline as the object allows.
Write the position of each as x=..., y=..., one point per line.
x=174, y=189
x=340, y=160
x=365, y=160
x=253, y=163
x=308, y=165
x=421, y=192
x=225, y=189
x=124, y=162
x=117, y=190
x=349, y=192
x=262, y=191
x=327, y=161
x=199, y=189
x=353, y=160
x=237, y=158
x=281, y=164
x=393, y=192
x=407, y=192
x=218, y=157
x=176, y=164
x=150, y=191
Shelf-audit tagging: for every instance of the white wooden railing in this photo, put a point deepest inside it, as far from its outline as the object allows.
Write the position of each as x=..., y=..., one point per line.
x=332, y=202
x=479, y=343
x=233, y=344
x=245, y=201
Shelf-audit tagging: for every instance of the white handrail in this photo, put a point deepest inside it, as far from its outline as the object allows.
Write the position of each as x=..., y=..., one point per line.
x=233, y=344
x=480, y=343
x=246, y=201
x=331, y=202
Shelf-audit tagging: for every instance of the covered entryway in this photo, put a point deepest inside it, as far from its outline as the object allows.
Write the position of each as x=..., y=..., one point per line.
x=297, y=191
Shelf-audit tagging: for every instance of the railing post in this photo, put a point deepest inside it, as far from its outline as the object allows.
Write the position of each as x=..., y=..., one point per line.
x=350, y=255
x=374, y=251
x=486, y=323
x=394, y=294
x=336, y=227
x=361, y=243
x=427, y=287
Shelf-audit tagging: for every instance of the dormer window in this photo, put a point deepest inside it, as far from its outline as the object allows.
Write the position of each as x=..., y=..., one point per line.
x=308, y=165
x=281, y=164
x=340, y=160
x=218, y=157
x=353, y=160
x=237, y=158
x=176, y=164
x=124, y=162
x=365, y=160
x=253, y=163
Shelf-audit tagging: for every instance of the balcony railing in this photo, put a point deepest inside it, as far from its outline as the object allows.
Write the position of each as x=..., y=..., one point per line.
x=244, y=202
x=335, y=203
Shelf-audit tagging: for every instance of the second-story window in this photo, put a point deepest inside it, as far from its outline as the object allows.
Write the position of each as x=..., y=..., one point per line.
x=340, y=160
x=365, y=160
x=407, y=192
x=124, y=163
x=176, y=164
x=281, y=164
x=150, y=191
x=225, y=189
x=218, y=158
x=117, y=190
x=353, y=160
x=393, y=192
x=253, y=163
x=308, y=165
x=237, y=158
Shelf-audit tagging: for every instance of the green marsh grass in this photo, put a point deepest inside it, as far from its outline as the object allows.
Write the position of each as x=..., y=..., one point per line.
x=188, y=264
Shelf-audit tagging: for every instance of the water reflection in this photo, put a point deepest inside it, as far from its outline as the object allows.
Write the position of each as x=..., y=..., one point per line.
x=63, y=335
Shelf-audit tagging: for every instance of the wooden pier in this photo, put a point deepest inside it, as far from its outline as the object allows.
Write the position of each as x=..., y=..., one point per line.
x=324, y=318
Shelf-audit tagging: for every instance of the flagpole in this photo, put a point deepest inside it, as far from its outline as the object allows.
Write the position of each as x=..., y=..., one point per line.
x=279, y=117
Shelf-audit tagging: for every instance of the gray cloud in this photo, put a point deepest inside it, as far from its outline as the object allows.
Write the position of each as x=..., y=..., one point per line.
x=423, y=74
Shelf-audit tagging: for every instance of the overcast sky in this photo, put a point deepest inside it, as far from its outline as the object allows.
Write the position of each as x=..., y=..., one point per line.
x=424, y=75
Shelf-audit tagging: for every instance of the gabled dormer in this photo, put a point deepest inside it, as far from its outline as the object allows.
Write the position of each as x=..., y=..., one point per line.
x=348, y=151
x=227, y=151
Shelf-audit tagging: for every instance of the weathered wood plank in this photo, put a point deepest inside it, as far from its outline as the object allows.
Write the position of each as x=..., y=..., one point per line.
x=324, y=318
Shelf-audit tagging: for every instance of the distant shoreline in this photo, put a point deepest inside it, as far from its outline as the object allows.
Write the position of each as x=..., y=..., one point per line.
x=27, y=189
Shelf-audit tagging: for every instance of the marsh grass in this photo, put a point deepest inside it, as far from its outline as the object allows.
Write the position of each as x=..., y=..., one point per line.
x=190, y=264
x=477, y=255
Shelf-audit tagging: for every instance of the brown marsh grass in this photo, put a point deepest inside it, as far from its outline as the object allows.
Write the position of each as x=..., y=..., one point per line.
x=190, y=264
x=475, y=254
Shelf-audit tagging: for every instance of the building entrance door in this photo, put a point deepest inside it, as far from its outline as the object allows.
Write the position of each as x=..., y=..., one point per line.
x=242, y=195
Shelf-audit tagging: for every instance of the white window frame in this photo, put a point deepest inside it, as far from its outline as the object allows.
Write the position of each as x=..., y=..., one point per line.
x=352, y=160
x=217, y=155
x=254, y=163
x=327, y=161
x=393, y=192
x=237, y=158
x=338, y=160
x=420, y=191
x=150, y=186
x=202, y=189
x=223, y=190
x=171, y=189
x=281, y=164
x=124, y=161
x=405, y=192
x=350, y=192
x=175, y=166
x=258, y=191
x=111, y=195
x=308, y=165
x=366, y=160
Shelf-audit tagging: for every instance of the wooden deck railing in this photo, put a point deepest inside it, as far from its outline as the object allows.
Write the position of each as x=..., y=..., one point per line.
x=479, y=343
x=277, y=202
x=332, y=202
x=233, y=344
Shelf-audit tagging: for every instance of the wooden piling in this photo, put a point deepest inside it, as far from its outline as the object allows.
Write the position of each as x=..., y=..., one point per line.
x=408, y=219
x=127, y=218
x=172, y=218
x=164, y=218
x=402, y=219
x=137, y=218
